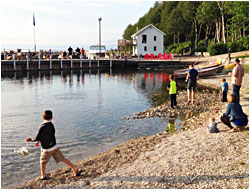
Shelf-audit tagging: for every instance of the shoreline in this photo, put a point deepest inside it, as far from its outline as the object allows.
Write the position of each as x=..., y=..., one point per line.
x=192, y=158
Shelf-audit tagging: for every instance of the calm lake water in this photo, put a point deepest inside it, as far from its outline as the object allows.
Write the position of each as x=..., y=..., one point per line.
x=87, y=108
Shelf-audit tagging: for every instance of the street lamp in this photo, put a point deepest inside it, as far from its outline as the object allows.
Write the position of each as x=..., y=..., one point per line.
x=99, y=19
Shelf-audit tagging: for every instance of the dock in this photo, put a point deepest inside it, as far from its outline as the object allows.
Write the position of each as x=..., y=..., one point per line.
x=66, y=64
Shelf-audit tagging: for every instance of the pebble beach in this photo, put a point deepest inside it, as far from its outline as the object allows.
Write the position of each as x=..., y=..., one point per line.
x=190, y=158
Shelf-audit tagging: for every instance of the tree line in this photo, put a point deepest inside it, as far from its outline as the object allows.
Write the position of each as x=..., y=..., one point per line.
x=197, y=24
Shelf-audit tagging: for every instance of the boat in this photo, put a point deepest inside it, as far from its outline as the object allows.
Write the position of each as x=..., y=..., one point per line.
x=205, y=71
x=229, y=66
x=94, y=51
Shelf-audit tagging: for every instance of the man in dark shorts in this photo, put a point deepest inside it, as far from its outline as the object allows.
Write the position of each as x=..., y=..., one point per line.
x=192, y=77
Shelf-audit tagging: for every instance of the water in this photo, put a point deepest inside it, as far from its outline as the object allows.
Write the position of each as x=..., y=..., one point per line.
x=87, y=108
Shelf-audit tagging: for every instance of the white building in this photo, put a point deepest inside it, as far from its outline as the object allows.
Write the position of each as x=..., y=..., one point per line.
x=148, y=40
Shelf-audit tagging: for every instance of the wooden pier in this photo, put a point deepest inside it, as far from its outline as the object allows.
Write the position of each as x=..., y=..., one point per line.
x=65, y=64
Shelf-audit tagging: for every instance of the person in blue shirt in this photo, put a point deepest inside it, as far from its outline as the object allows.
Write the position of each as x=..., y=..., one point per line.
x=192, y=77
x=234, y=114
x=224, y=90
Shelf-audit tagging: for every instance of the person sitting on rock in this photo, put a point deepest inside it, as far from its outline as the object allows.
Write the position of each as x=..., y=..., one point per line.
x=212, y=126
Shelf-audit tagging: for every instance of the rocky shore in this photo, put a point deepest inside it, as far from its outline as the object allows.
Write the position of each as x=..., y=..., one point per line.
x=191, y=158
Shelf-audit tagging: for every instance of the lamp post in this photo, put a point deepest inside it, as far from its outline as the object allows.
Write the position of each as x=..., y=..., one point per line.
x=99, y=19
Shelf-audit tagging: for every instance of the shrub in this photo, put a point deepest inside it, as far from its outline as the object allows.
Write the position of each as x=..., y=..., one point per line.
x=178, y=48
x=239, y=45
x=217, y=49
x=234, y=46
x=171, y=48
x=244, y=42
x=201, y=49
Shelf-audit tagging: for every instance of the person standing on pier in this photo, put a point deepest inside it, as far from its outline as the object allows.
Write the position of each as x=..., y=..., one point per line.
x=82, y=53
x=237, y=76
x=192, y=77
x=70, y=50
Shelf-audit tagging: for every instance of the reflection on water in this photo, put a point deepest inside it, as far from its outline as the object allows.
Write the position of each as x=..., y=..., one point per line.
x=171, y=125
x=87, y=107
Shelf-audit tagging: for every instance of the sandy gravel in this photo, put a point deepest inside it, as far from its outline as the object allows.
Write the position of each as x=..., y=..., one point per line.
x=192, y=158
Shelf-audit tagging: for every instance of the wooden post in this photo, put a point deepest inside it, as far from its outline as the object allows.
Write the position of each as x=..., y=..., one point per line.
x=98, y=63
x=50, y=62
x=39, y=62
x=4, y=54
x=27, y=62
x=89, y=62
x=71, y=63
x=14, y=62
x=110, y=64
x=81, y=61
x=61, y=63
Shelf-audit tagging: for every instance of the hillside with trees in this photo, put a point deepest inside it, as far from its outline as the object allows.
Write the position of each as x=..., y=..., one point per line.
x=213, y=26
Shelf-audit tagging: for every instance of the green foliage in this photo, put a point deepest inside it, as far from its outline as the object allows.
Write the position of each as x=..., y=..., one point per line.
x=234, y=46
x=171, y=48
x=239, y=19
x=239, y=45
x=207, y=12
x=244, y=42
x=217, y=49
x=201, y=46
x=178, y=48
x=131, y=29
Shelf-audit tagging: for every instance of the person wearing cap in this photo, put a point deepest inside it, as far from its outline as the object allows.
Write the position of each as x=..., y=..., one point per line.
x=237, y=76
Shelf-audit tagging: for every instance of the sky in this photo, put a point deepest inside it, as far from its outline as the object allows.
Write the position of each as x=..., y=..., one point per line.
x=63, y=23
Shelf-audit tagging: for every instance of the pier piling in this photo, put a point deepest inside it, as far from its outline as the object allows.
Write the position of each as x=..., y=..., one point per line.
x=110, y=63
x=71, y=63
x=39, y=62
x=81, y=61
x=61, y=63
x=89, y=62
x=27, y=62
x=50, y=62
x=14, y=62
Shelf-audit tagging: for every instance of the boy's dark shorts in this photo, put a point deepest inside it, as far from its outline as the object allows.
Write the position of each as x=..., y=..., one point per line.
x=57, y=155
x=191, y=86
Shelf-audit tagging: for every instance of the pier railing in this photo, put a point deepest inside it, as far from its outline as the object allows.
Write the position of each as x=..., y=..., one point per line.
x=59, y=64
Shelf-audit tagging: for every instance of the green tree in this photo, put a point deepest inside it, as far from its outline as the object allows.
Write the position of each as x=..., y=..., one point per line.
x=189, y=14
x=207, y=13
x=131, y=29
x=167, y=7
x=239, y=21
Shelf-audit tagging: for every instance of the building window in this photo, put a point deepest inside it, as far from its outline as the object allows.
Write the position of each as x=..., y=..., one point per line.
x=154, y=38
x=145, y=48
x=154, y=48
x=144, y=39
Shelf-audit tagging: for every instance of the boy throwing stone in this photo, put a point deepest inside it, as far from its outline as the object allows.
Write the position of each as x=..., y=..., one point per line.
x=46, y=135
